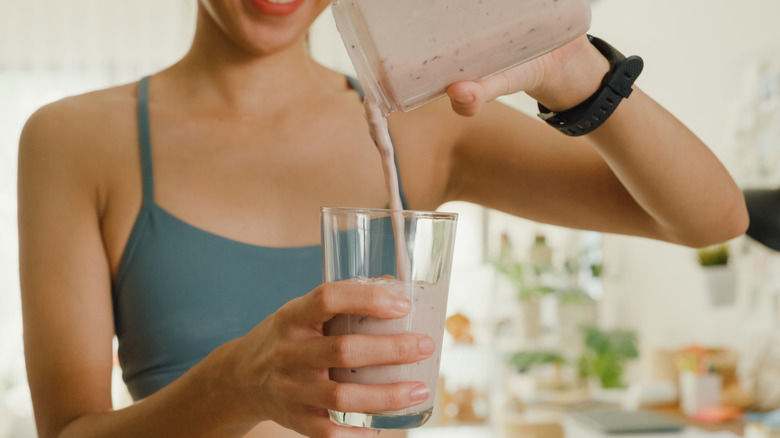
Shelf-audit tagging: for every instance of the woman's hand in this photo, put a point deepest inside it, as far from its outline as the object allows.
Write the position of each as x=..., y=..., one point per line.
x=282, y=365
x=560, y=79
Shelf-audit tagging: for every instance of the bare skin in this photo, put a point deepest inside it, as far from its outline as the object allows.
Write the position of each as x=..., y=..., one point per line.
x=250, y=138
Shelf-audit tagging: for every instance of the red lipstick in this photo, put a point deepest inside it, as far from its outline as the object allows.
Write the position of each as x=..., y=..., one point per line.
x=278, y=9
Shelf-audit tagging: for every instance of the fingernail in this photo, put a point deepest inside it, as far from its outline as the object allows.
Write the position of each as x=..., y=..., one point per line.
x=419, y=392
x=402, y=305
x=426, y=345
x=463, y=99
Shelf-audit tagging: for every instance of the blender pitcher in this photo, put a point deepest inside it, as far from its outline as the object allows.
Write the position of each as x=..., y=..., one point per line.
x=406, y=52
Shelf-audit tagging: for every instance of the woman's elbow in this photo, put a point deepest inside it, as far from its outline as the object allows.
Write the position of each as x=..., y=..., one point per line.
x=740, y=220
x=729, y=221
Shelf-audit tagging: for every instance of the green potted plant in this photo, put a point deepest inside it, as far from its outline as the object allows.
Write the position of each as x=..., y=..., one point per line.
x=524, y=383
x=528, y=299
x=715, y=255
x=575, y=309
x=719, y=276
x=523, y=361
x=604, y=358
x=528, y=289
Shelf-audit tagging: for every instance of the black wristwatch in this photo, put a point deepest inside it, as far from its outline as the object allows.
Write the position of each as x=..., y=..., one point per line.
x=616, y=86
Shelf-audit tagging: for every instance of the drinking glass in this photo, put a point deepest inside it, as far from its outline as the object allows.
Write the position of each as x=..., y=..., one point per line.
x=360, y=245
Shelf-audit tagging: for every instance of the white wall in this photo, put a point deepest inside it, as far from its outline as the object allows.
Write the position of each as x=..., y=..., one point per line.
x=696, y=52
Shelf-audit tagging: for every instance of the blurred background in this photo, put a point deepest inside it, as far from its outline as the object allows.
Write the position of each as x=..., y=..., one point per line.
x=543, y=321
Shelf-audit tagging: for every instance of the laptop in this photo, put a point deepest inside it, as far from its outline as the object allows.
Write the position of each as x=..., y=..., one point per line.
x=616, y=421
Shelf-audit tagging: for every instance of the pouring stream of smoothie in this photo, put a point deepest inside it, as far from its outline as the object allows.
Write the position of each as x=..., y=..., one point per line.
x=377, y=124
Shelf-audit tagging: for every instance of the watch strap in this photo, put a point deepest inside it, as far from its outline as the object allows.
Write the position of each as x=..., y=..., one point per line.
x=594, y=111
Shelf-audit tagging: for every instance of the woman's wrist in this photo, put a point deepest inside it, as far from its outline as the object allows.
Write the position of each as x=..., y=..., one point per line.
x=223, y=383
x=568, y=84
x=615, y=86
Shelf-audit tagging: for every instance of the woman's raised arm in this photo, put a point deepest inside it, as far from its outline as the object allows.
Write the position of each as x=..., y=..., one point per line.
x=641, y=173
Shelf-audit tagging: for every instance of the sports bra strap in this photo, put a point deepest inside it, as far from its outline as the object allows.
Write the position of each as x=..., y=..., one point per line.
x=356, y=86
x=145, y=140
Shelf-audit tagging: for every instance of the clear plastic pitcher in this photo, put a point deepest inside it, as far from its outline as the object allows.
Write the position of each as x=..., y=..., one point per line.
x=406, y=52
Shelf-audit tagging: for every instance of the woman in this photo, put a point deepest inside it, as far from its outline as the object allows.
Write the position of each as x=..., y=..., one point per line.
x=182, y=213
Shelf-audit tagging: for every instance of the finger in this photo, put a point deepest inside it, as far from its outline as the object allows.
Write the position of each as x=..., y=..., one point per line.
x=467, y=98
x=352, y=397
x=508, y=82
x=345, y=297
x=354, y=351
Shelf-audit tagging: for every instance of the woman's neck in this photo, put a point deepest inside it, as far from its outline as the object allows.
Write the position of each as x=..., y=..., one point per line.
x=232, y=77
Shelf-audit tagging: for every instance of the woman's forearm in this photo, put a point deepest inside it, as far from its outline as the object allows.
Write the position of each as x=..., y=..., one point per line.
x=200, y=403
x=666, y=169
x=671, y=174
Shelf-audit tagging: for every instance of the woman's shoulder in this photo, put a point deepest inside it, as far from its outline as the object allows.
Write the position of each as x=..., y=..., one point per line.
x=81, y=140
x=81, y=122
x=80, y=111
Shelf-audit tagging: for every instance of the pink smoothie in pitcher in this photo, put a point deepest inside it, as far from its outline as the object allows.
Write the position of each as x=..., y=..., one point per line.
x=406, y=52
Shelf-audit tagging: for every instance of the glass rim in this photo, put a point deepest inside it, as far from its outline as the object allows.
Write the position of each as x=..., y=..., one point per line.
x=387, y=212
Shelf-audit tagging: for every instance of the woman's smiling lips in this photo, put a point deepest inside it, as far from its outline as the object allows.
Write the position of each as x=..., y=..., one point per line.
x=277, y=7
